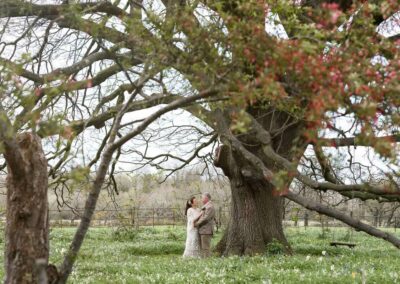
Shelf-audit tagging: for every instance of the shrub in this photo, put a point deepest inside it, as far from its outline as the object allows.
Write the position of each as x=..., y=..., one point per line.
x=275, y=247
x=124, y=234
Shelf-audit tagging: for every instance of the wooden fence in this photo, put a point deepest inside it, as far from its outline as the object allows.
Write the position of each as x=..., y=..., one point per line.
x=134, y=216
x=130, y=216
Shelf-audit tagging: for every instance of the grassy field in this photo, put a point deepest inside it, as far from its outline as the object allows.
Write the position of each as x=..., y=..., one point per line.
x=153, y=255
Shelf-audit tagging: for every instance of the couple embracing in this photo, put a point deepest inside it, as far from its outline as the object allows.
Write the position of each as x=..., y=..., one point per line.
x=200, y=227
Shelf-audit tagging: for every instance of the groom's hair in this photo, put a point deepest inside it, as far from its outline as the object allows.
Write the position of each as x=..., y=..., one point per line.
x=208, y=195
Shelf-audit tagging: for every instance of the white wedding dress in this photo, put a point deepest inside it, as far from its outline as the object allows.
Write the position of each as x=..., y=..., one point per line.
x=192, y=247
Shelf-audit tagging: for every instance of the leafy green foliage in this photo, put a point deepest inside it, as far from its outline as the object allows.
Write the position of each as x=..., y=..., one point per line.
x=275, y=247
x=79, y=174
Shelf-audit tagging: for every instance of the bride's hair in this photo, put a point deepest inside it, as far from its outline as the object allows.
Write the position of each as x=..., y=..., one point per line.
x=189, y=204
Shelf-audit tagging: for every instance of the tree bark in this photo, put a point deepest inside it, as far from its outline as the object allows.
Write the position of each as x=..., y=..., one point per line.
x=90, y=206
x=257, y=207
x=27, y=227
x=255, y=219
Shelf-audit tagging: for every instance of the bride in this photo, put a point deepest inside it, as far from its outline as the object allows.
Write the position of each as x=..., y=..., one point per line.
x=192, y=247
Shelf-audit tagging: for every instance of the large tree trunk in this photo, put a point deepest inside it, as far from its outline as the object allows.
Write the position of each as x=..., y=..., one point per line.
x=255, y=221
x=257, y=207
x=27, y=230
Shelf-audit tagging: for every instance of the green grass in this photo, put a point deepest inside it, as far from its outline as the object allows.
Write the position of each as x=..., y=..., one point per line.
x=154, y=256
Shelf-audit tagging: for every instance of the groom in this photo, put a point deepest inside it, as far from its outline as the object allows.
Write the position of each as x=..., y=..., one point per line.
x=206, y=225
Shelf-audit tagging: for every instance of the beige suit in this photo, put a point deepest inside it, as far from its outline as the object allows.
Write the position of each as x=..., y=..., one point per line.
x=206, y=228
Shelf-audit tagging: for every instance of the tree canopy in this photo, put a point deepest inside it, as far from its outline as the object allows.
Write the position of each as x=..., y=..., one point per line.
x=302, y=106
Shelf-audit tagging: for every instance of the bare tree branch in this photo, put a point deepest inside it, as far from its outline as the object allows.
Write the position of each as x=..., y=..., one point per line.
x=357, y=224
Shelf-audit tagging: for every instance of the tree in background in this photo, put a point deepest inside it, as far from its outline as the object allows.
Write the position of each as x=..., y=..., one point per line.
x=270, y=102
